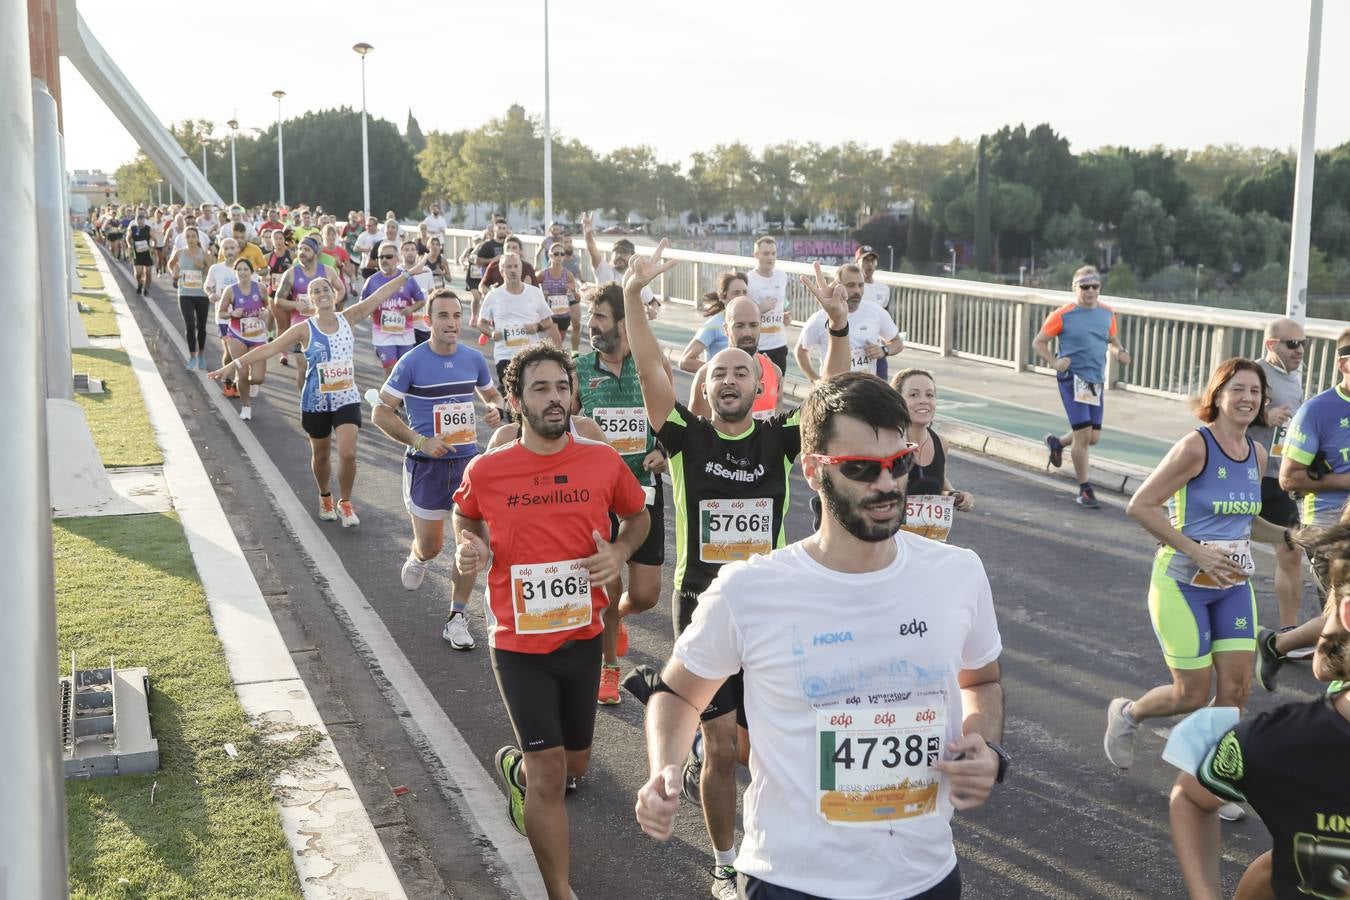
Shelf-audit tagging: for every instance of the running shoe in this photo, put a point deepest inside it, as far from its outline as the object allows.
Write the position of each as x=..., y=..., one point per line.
x=414, y=571
x=191, y=364
x=1300, y=654
x=723, y=883
x=347, y=515
x=691, y=789
x=570, y=786
x=609, y=686
x=1268, y=659
x=1119, y=740
x=640, y=682
x=286, y=360
x=456, y=632
x=1086, y=498
x=327, y=511
x=622, y=643
x=230, y=390
x=507, y=761
x=1232, y=812
x=1056, y=450
x=246, y=413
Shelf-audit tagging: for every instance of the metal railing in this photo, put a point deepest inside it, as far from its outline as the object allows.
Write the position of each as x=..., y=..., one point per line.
x=1173, y=346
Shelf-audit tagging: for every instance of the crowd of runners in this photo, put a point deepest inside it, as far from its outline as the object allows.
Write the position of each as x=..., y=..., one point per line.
x=867, y=712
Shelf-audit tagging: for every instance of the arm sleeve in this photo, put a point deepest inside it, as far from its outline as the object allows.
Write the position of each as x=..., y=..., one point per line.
x=484, y=370
x=1301, y=440
x=1112, y=331
x=1054, y=323
x=711, y=647
x=541, y=308
x=886, y=325
x=416, y=290
x=983, y=642
x=466, y=501
x=707, y=333
x=813, y=334
x=399, y=380
x=673, y=429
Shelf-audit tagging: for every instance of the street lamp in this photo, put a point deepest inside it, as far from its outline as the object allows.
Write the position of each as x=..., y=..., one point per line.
x=281, y=159
x=1199, y=268
x=234, y=173
x=159, y=191
x=361, y=50
x=548, y=136
x=953, y=262
x=187, y=162
x=205, y=141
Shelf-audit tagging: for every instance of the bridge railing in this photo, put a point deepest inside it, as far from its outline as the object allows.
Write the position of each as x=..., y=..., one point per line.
x=1173, y=346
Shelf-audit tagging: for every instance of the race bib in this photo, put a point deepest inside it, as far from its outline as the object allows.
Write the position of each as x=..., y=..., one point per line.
x=1277, y=441
x=771, y=322
x=734, y=529
x=1240, y=552
x=1086, y=392
x=625, y=427
x=557, y=303
x=437, y=281
x=393, y=322
x=875, y=765
x=929, y=515
x=515, y=335
x=475, y=271
x=454, y=423
x=191, y=279
x=338, y=375
x=142, y=246
x=253, y=328
x=548, y=597
x=860, y=362
x=276, y=281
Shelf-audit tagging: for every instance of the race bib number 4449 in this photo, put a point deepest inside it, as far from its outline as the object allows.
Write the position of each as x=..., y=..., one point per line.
x=550, y=597
x=875, y=765
x=730, y=530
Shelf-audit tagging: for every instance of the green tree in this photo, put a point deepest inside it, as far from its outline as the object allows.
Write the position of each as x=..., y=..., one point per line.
x=1039, y=158
x=502, y=162
x=136, y=180
x=1155, y=172
x=914, y=168
x=1265, y=240
x=982, y=203
x=1209, y=171
x=1208, y=232
x=1105, y=181
x=778, y=179
x=412, y=133
x=1146, y=233
x=1071, y=231
x=437, y=162
x=1331, y=232
x=1120, y=281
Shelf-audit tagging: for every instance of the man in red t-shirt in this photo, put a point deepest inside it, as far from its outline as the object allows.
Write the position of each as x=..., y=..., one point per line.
x=543, y=503
x=492, y=275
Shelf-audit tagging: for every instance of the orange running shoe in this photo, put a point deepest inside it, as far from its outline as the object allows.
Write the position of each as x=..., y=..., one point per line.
x=609, y=686
x=327, y=512
x=347, y=515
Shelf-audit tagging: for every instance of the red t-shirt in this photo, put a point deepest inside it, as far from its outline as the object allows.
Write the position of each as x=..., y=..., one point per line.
x=541, y=512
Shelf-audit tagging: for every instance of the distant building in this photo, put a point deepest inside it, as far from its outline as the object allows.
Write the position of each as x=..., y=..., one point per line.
x=95, y=186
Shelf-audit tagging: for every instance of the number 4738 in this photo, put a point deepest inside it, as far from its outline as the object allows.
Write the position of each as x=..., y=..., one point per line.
x=890, y=745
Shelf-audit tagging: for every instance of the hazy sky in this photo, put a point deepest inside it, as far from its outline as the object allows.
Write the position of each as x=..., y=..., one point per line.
x=1182, y=73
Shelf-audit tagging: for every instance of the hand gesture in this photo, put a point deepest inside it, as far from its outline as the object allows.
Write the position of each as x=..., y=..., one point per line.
x=586, y=220
x=657, y=801
x=1278, y=415
x=222, y=372
x=470, y=553
x=873, y=350
x=605, y=564
x=963, y=500
x=642, y=271
x=971, y=773
x=832, y=298
x=418, y=267
x=1123, y=357
x=493, y=417
x=655, y=462
x=1062, y=364
x=432, y=446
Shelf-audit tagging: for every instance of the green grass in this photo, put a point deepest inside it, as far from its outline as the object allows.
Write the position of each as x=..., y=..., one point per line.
x=126, y=588
x=101, y=321
x=117, y=417
x=90, y=279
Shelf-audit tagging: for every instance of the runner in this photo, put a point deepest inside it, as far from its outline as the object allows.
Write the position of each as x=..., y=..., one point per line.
x=617, y=267
x=390, y=332
x=729, y=477
x=435, y=223
x=114, y=232
x=336, y=258
x=492, y=275
x=247, y=248
x=608, y=392
x=142, y=252
x=930, y=499
x=480, y=258
x=741, y=326
x=870, y=663
x=768, y=288
x=291, y=302
x=218, y=278
x=426, y=282
x=158, y=224
x=243, y=304
x=188, y=267
x=711, y=339
x=514, y=315
x=1200, y=596
x=872, y=333
x=1316, y=464
x=367, y=244
x=553, y=236
x=560, y=292
x=880, y=294
x=546, y=590
x=330, y=402
x=1085, y=328
x=437, y=381
x=1289, y=763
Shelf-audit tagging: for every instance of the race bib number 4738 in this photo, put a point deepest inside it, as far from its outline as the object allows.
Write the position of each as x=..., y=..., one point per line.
x=730, y=530
x=876, y=765
x=548, y=597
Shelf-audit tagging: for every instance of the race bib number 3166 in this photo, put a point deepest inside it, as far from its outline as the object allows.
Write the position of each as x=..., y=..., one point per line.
x=550, y=597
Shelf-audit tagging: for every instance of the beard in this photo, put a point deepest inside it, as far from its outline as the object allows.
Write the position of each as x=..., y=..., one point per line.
x=849, y=513
x=542, y=426
x=733, y=410
x=749, y=345
x=605, y=341
x=1332, y=662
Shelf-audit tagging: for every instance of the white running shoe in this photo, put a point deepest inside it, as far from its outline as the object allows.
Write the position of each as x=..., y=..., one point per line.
x=414, y=571
x=252, y=390
x=347, y=515
x=246, y=413
x=1119, y=740
x=1232, y=812
x=456, y=632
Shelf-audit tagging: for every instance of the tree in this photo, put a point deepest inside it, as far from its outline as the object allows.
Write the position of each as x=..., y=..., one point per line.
x=1331, y=231
x=982, y=213
x=1120, y=281
x=1155, y=171
x=776, y=173
x=437, y=162
x=1271, y=191
x=1146, y=233
x=1265, y=241
x=503, y=162
x=1209, y=171
x=1071, y=231
x=1039, y=158
x=136, y=179
x=1105, y=181
x=914, y=168
x=1013, y=209
x=1208, y=232
x=412, y=133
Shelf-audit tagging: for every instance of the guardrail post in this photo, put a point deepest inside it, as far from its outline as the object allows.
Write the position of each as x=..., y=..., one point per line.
x=947, y=311
x=698, y=282
x=1221, y=343
x=1021, y=339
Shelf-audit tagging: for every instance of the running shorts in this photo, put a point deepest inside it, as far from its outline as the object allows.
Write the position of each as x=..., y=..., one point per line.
x=389, y=354
x=1192, y=623
x=320, y=425
x=731, y=695
x=1081, y=415
x=1277, y=506
x=550, y=697
x=429, y=485
x=652, y=552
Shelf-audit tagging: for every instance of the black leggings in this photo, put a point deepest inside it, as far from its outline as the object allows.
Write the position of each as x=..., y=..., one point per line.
x=194, y=320
x=752, y=888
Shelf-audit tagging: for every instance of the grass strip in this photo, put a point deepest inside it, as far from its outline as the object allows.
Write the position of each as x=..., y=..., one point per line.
x=117, y=418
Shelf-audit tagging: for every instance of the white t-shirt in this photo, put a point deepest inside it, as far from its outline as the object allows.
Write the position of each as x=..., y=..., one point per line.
x=868, y=322
x=366, y=243
x=218, y=278
x=436, y=225
x=810, y=638
x=879, y=294
x=604, y=273
x=509, y=312
x=772, y=330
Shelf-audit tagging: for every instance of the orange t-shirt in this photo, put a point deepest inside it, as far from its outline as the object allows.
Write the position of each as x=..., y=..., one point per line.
x=541, y=512
x=766, y=404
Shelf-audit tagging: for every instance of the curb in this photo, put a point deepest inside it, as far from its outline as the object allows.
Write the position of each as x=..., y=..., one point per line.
x=334, y=846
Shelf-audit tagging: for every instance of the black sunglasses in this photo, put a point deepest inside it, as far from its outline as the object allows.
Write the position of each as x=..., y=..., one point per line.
x=1090, y=287
x=867, y=469
x=1295, y=345
x=388, y=256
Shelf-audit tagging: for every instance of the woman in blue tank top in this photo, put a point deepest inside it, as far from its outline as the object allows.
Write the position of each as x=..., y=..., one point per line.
x=330, y=402
x=1200, y=595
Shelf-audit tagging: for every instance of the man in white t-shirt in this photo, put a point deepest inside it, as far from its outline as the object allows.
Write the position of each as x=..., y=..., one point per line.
x=616, y=269
x=872, y=334
x=880, y=294
x=871, y=678
x=514, y=314
x=435, y=222
x=190, y=221
x=768, y=287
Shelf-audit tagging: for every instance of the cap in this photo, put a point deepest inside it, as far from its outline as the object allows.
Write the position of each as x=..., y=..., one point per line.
x=864, y=250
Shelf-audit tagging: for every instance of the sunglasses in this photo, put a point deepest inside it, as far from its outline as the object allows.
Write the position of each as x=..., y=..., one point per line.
x=1090, y=287
x=558, y=254
x=1295, y=345
x=867, y=469
x=388, y=256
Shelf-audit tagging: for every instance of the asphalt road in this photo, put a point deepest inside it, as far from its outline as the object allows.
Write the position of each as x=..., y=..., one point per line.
x=1069, y=586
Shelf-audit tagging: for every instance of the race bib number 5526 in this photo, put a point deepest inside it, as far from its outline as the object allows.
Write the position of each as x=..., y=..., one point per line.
x=624, y=427
x=550, y=597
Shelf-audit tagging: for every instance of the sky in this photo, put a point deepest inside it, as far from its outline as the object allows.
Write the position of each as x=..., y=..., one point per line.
x=683, y=77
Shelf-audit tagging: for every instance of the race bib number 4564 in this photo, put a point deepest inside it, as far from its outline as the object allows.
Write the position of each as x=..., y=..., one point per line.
x=548, y=597
x=337, y=375
x=730, y=530
x=875, y=765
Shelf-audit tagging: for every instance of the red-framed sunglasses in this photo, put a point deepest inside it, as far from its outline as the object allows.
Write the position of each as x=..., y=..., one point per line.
x=867, y=469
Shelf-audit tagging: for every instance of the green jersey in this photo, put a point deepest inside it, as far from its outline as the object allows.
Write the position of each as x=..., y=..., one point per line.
x=615, y=403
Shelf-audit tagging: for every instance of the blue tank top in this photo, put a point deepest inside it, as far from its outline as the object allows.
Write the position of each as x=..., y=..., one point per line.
x=1216, y=505
x=329, y=369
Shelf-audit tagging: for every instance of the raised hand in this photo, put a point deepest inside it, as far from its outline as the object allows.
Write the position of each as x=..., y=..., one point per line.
x=832, y=298
x=586, y=220
x=642, y=271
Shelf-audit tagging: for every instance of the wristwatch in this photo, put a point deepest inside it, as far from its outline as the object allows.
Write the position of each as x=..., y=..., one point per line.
x=1003, y=761
x=842, y=332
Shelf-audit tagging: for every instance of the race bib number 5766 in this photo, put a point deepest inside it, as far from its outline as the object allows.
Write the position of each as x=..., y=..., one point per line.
x=730, y=530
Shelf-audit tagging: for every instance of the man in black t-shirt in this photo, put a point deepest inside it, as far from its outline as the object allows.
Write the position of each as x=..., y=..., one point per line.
x=1290, y=764
x=142, y=252
x=482, y=257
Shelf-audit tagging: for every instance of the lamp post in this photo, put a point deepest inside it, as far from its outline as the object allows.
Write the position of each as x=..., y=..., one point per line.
x=548, y=136
x=159, y=191
x=361, y=50
x=1296, y=300
x=281, y=156
x=205, y=141
x=234, y=173
x=187, y=163
x=1199, y=271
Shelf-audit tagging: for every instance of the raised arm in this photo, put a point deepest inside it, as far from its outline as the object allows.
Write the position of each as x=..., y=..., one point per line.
x=834, y=300
x=589, y=232
x=658, y=392
x=358, y=312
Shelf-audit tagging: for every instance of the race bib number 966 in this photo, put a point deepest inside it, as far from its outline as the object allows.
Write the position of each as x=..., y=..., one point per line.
x=548, y=597
x=454, y=423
